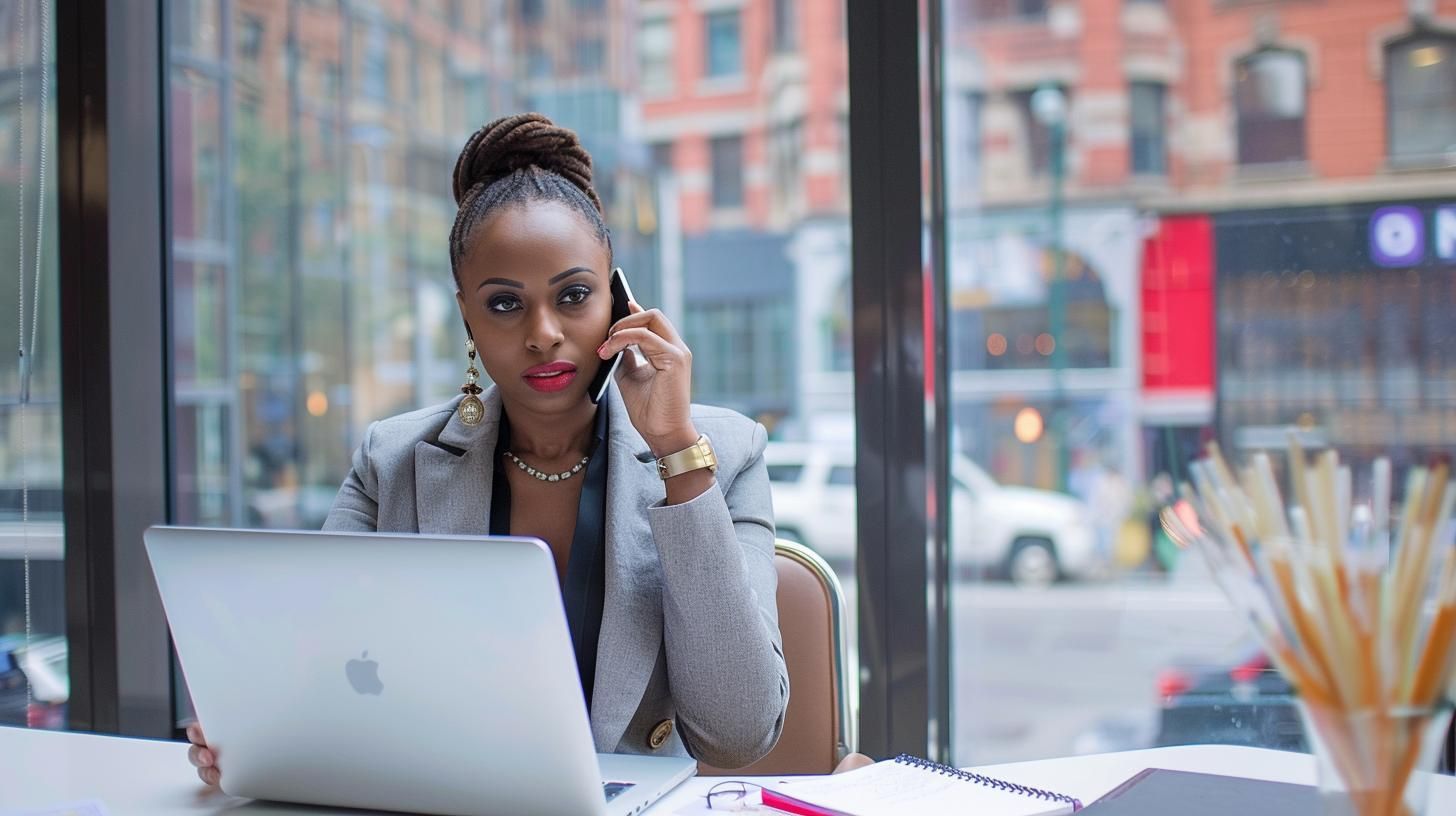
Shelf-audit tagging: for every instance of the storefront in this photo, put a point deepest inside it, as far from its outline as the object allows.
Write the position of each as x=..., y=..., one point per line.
x=1176, y=406
x=1043, y=389
x=1338, y=320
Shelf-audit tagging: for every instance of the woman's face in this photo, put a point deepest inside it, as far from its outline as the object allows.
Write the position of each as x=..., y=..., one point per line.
x=535, y=293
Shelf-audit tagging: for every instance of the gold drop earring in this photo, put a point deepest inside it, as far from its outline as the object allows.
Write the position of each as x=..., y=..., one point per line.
x=471, y=409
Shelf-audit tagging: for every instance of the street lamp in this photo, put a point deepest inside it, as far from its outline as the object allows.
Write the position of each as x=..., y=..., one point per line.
x=1049, y=106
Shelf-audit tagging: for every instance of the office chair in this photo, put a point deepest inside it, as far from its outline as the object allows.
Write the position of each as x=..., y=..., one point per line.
x=819, y=727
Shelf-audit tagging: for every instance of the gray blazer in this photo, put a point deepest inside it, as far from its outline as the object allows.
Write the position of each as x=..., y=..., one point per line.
x=689, y=660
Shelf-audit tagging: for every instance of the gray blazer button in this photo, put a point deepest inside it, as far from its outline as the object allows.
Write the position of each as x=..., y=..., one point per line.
x=659, y=735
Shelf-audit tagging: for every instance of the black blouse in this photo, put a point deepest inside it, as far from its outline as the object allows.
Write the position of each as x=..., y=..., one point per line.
x=584, y=590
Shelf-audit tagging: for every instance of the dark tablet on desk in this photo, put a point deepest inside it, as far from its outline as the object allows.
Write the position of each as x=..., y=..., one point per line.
x=1159, y=792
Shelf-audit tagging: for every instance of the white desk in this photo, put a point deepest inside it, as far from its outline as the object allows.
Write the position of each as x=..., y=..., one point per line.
x=150, y=778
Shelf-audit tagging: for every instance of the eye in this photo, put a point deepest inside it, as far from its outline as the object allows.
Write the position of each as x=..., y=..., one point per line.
x=575, y=296
x=503, y=304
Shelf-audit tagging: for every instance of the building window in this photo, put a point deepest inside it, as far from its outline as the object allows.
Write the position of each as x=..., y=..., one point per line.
x=591, y=55
x=785, y=156
x=727, y=172
x=786, y=26
x=250, y=38
x=993, y=10
x=1420, y=82
x=1149, y=151
x=1269, y=100
x=662, y=157
x=376, y=64
x=1038, y=133
x=539, y=64
x=737, y=358
x=963, y=162
x=655, y=53
x=330, y=81
x=725, y=47
x=533, y=11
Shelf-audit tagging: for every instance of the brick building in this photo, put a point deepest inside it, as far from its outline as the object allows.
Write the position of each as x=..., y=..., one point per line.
x=1192, y=126
x=1314, y=162
x=746, y=102
x=744, y=110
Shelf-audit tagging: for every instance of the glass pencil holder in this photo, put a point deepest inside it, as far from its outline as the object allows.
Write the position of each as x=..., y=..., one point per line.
x=1376, y=762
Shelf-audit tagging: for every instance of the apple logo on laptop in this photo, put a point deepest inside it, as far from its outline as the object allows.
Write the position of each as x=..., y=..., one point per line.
x=363, y=675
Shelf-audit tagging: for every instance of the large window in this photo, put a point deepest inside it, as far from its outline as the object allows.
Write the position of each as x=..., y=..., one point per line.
x=34, y=657
x=1269, y=102
x=1292, y=268
x=1420, y=81
x=1101, y=331
x=310, y=182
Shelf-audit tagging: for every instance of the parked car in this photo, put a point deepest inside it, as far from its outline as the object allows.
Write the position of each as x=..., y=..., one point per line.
x=1246, y=703
x=44, y=665
x=1031, y=536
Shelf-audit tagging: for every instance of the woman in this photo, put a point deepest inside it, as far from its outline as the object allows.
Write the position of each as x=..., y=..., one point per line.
x=668, y=580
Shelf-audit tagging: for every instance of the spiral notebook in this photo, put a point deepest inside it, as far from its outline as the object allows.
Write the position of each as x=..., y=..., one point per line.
x=909, y=784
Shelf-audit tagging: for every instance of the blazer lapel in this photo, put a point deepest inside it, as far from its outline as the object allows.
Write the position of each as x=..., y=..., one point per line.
x=453, y=475
x=631, y=636
x=453, y=479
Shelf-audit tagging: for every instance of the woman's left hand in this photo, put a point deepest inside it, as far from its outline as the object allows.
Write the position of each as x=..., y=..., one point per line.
x=658, y=393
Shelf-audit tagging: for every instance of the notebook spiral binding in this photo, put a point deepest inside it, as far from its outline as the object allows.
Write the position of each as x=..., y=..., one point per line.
x=988, y=781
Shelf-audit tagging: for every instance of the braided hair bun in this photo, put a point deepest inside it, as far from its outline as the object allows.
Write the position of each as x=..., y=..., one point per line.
x=516, y=160
x=520, y=142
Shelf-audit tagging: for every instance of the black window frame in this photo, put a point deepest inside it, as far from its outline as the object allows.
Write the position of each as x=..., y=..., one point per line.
x=115, y=272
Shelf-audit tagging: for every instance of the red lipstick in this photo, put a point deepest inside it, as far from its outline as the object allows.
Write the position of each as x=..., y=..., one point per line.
x=550, y=377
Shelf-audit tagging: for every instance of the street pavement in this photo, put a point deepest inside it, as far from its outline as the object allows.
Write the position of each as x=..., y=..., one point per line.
x=1073, y=668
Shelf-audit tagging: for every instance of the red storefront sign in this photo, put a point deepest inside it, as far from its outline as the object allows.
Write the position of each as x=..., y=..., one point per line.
x=1177, y=308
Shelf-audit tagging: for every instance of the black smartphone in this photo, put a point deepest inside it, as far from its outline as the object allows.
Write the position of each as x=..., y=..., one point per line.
x=621, y=295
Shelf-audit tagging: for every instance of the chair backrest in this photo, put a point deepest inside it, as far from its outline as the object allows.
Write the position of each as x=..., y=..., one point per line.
x=819, y=725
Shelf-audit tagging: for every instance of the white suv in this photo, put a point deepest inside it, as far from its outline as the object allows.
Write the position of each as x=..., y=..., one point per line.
x=1031, y=536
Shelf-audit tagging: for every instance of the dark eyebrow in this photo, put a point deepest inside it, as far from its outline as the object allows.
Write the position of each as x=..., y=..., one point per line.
x=568, y=273
x=575, y=270
x=501, y=282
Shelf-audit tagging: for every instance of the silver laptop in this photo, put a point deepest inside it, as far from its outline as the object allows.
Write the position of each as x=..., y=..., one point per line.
x=432, y=674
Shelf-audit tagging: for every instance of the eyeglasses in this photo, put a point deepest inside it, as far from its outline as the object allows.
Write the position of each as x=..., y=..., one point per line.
x=734, y=795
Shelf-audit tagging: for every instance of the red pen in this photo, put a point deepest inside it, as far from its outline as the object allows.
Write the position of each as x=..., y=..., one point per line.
x=798, y=807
